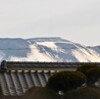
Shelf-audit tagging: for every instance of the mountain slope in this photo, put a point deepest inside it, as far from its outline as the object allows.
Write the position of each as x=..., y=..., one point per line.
x=47, y=49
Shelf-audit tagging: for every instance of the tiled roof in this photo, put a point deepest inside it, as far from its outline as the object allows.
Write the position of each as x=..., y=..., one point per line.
x=17, y=77
x=18, y=82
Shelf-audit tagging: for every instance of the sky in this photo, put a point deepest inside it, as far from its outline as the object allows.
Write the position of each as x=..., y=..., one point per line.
x=75, y=20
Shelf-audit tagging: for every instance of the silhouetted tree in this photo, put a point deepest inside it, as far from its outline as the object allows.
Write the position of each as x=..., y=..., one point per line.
x=93, y=75
x=66, y=80
x=92, y=72
x=84, y=68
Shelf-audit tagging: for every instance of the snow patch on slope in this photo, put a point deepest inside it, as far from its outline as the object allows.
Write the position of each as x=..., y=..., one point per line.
x=84, y=56
x=39, y=55
x=64, y=51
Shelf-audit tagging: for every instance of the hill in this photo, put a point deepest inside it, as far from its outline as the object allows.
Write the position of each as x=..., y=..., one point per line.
x=47, y=49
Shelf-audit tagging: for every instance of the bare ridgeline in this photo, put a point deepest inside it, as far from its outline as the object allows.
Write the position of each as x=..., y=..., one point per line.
x=17, y=77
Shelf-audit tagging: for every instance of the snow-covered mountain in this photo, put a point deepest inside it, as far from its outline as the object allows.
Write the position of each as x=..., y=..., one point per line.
x=47, y=49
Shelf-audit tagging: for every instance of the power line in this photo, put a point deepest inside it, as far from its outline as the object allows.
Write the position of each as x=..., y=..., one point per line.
x=34, y=48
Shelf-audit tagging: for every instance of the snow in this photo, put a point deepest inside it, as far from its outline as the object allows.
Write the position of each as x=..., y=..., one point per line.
x=38, y=55
x=48, y=44
x=84, y=56
x=47, y=50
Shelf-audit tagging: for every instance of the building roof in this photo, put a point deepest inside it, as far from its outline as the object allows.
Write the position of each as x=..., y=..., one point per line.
x=17, y=77
x=10, y=65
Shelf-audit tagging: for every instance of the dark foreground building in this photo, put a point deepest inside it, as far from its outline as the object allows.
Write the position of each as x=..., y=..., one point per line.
x=17, y=77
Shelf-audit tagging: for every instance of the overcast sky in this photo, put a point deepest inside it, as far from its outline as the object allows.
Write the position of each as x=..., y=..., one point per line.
x=75, y=20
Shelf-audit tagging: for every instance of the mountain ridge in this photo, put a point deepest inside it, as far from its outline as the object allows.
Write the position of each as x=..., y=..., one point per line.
x=47, y=49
